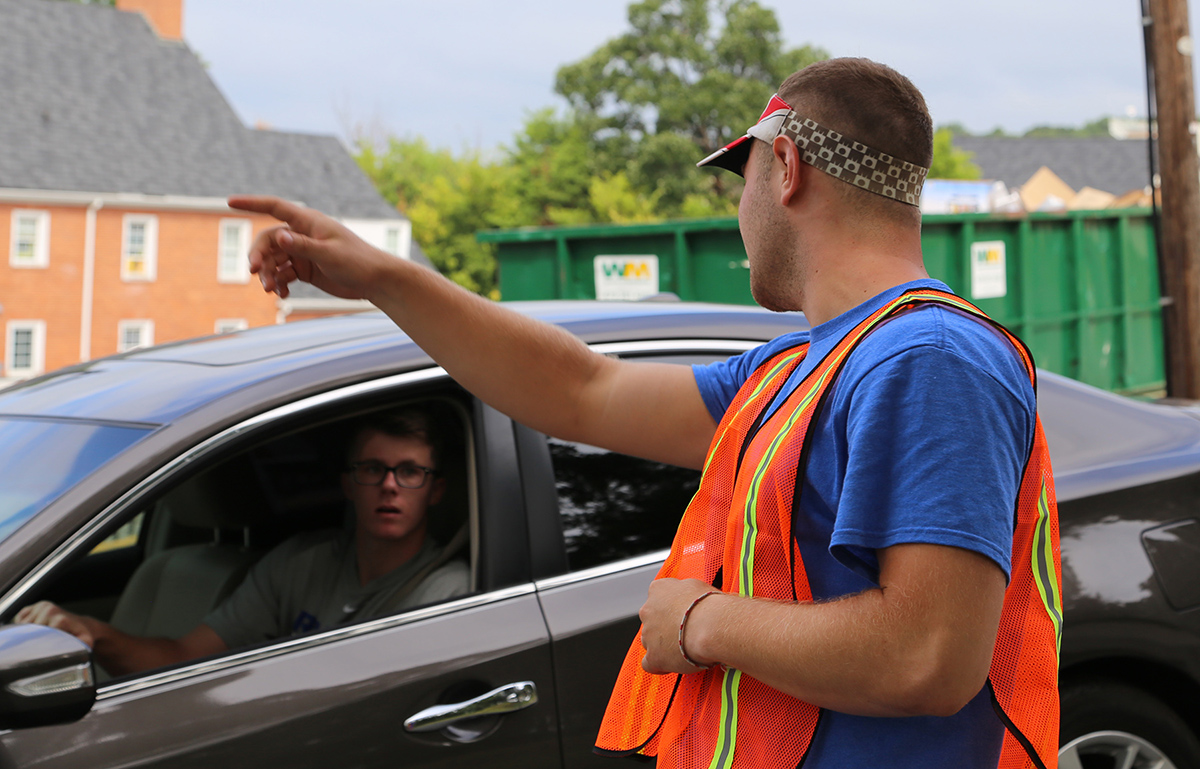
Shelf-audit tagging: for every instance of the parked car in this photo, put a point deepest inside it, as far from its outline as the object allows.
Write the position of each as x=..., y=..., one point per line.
x=152, y=462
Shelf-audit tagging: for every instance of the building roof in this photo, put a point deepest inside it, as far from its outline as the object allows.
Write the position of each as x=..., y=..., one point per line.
x=1112, y=165
x=92, y=100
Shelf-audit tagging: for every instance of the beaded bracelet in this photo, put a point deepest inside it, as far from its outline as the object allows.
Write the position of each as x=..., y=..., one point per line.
x=683, y=623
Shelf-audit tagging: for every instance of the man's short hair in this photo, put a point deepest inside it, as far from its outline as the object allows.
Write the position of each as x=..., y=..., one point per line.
x=404, y=422
x=869, y=102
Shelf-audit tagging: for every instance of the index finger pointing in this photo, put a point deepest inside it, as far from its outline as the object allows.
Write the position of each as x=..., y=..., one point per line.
x=297, y=217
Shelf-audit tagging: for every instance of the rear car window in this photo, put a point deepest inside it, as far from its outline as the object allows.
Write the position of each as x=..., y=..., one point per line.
x=614, y=506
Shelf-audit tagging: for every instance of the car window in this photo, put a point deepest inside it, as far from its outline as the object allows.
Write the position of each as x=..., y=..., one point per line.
x=615, y=506
x=41, y=459
x=124, y=537
x=265, y=542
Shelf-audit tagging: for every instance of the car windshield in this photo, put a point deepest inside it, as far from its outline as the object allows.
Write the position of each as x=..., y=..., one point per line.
x=39, y=460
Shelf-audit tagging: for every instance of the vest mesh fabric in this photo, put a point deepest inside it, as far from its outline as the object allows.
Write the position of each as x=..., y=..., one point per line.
x=708, y=546
x=737, y=535
x=1024, y=672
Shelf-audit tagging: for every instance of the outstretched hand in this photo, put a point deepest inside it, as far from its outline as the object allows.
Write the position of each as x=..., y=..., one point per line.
x=310, y=247
x=51, y=615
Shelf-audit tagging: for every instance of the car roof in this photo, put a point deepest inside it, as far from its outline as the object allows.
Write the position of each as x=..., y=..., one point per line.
x=158, y=385
x=1099, y=441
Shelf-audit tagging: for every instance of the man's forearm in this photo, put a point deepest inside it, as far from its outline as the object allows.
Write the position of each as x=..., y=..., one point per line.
x=845, y=655
x=120, y=653
x=920, y=645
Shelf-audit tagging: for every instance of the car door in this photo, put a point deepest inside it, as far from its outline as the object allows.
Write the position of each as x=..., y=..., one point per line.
x=465, y=682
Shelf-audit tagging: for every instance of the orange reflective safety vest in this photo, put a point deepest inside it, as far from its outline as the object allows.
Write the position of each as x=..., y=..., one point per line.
x=738, y=530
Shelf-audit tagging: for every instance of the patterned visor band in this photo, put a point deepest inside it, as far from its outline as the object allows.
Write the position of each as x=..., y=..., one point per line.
x=824, y=149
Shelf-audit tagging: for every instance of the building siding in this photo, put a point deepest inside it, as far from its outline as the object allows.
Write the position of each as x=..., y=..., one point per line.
x=185, y=300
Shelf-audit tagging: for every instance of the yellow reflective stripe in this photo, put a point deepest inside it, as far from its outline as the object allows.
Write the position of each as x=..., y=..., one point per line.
x=766, y=381
x=1044, y=573
x=750, y=520
x=727, y=730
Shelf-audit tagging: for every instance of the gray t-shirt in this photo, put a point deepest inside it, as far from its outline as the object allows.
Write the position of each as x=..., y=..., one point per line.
x=310, y=582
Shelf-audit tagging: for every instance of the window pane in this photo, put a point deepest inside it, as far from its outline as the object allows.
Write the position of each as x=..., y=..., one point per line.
x=137, y=238
x=26, y=238
x=22, y=346
x=392, y=245
x=231, y=249
x=40, y=460
x=614, y=506
x=126, y=536
x=135, y=254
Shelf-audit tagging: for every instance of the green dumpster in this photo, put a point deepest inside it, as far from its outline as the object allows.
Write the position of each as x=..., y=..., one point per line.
x=1080, y=288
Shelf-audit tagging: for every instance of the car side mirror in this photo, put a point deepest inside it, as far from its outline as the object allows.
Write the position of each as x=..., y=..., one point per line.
x=46, y=677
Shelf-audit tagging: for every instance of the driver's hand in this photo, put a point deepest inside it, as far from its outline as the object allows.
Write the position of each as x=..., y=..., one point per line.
x=51, y=615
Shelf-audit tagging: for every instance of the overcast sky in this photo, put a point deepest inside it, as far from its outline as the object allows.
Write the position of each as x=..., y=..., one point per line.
x=464, y=73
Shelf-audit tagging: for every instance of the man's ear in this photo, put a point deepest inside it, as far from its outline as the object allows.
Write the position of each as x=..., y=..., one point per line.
x=792, y=183
x=347, y=484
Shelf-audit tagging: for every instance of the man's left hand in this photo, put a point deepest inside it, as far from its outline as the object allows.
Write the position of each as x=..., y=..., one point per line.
x=661, y=615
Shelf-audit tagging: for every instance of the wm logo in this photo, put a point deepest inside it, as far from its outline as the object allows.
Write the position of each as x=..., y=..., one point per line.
x=626, y=270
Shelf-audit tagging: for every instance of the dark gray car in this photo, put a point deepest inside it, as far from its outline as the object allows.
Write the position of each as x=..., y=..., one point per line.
x=138, y=489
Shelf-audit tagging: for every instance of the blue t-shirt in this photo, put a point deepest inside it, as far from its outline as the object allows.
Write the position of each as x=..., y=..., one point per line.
x=923, y=438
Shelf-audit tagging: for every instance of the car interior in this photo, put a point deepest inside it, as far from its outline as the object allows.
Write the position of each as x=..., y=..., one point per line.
x=160, y=571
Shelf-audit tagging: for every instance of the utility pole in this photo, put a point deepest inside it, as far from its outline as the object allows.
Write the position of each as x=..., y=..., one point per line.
x=1170, y=45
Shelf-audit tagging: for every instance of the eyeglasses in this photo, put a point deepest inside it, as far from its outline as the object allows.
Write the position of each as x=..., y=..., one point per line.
x=372, y=473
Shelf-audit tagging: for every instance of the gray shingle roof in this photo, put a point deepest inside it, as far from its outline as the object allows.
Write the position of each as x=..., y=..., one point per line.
x=91, y=99
x=1112, y=165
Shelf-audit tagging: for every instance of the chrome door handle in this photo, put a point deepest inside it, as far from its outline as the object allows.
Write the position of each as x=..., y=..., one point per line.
x=506, y=699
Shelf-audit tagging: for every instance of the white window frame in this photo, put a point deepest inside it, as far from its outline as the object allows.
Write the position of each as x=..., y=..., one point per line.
x=395, y=249
x=150, y=244
x=239, y=272
x=375, y=233
x=37, y=357
x=145, y=328
x=230, y=325
x=41, y=239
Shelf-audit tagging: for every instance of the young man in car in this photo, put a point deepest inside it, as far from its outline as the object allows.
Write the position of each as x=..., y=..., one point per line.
x=317, y=579
x=866, y=498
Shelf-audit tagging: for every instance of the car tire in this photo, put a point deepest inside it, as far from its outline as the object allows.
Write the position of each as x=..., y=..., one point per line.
x=1105, y=723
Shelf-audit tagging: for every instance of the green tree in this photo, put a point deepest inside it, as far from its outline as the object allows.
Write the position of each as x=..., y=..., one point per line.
x=957, y=129
x=950, y=162
x=448, y=199
x=688, y=77
x=613, y=200
x=1096, y=128
x=554, y=165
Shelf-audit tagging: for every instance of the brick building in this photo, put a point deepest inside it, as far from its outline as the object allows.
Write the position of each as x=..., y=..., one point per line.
x=116, y=154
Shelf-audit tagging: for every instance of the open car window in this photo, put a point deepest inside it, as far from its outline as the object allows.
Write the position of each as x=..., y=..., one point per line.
x=261, y=540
